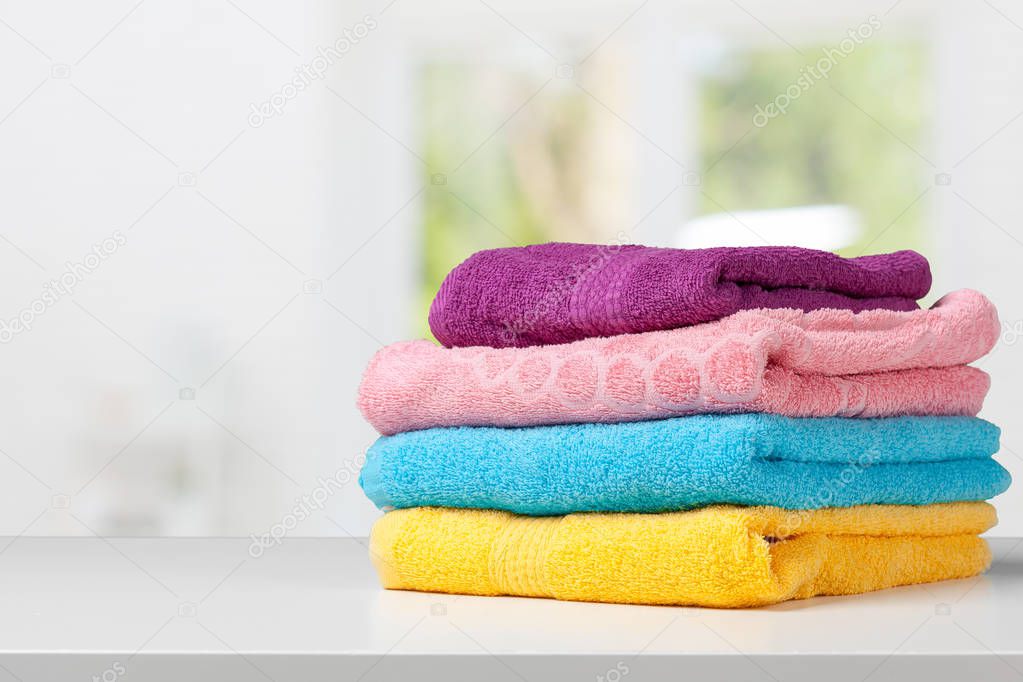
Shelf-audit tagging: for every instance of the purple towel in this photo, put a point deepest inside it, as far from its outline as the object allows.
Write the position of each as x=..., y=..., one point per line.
x=557, y=293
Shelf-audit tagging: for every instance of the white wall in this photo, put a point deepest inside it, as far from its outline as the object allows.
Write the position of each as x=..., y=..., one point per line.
x=113, y=112
x=978, y=116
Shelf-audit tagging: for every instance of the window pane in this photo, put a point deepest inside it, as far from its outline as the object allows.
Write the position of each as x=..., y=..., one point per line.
x=847, y=138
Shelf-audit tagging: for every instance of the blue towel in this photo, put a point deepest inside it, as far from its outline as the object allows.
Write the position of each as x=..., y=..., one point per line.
x=655, y=466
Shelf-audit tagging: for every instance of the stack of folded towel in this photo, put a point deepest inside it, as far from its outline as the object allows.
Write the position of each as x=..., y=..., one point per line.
x=721, y=427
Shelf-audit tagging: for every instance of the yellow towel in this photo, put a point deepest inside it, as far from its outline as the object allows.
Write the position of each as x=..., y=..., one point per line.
x=721, y=556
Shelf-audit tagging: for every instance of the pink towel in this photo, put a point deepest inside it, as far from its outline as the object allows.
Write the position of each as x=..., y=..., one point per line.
x=877, y=363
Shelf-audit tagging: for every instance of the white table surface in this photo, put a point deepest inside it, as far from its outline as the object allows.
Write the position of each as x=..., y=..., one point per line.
x=142, y=609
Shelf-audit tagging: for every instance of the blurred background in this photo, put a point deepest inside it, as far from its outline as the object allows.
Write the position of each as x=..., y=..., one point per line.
x=214, y=212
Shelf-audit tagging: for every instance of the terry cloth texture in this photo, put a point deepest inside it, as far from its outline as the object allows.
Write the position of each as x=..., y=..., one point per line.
x=717, y=556
x=822, y=363
x=672, y=464
x=556, y=293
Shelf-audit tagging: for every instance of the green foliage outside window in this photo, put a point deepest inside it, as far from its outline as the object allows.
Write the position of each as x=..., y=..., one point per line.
x=848, y=139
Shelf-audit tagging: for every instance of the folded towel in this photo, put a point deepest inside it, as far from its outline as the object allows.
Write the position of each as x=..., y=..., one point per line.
x=822, y=363
x=673, y=464
x=556, y=293
x=718, y=556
